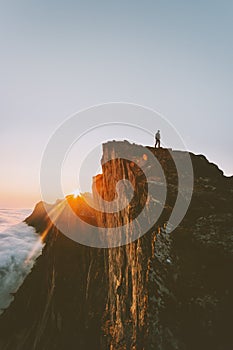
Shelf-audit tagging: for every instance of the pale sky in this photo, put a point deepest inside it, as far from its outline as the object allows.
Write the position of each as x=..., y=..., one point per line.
x=58, y=57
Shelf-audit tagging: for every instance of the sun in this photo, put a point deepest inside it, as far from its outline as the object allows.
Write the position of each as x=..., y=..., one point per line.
x=76, y=193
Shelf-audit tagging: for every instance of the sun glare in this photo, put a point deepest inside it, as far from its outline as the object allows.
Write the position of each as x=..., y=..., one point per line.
x=76, y=193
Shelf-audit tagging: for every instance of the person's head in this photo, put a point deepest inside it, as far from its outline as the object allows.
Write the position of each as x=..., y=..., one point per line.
x=158, y=130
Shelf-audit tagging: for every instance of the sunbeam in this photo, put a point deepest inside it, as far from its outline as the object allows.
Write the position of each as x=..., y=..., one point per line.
x=53, y=214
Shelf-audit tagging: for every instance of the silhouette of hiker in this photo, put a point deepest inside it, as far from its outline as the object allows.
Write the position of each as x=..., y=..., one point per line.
x=157, y=139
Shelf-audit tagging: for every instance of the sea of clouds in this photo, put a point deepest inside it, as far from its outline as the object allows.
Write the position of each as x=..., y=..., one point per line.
x=17, y=241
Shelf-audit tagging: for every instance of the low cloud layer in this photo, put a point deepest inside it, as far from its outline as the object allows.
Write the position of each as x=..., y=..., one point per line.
x=16, y=243
x=9, y=217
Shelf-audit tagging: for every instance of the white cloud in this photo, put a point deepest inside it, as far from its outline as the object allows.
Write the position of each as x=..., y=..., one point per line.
x=16, y=243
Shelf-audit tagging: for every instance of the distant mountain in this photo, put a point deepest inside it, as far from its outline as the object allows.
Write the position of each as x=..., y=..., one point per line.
x=162, y=291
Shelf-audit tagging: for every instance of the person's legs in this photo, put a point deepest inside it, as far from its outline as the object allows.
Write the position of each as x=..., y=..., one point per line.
x=157, y=143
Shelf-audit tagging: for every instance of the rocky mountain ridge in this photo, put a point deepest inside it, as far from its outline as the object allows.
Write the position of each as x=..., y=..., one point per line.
x=162, y=291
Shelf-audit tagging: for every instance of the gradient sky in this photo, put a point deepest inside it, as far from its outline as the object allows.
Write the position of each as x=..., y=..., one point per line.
x=58, y=57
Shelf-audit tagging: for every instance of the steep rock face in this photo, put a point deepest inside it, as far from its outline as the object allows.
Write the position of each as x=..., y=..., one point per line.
x=161, y=291
x=126, y=319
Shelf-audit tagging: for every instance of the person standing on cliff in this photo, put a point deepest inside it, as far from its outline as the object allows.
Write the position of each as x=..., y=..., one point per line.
x=157, y=139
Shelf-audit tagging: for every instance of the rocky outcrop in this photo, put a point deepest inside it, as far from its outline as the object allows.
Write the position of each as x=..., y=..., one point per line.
x=161, y=291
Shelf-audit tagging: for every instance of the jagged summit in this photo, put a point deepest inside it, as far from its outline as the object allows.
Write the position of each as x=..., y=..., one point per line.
x=161, y=291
